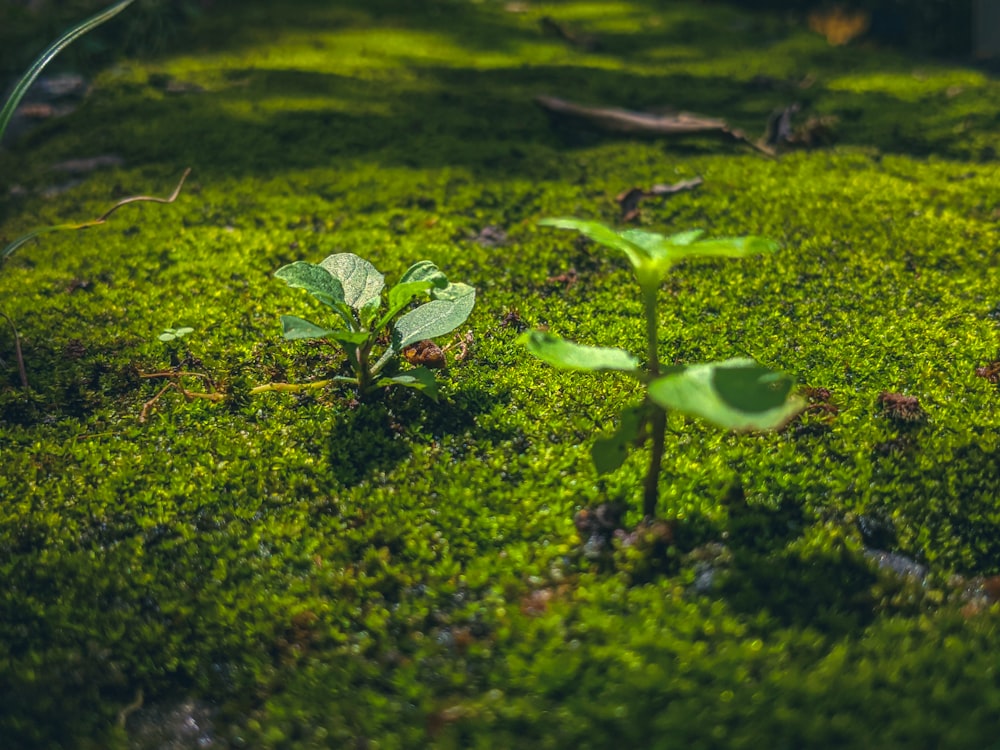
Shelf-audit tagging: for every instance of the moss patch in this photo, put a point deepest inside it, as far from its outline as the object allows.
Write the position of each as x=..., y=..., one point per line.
x=307, y=572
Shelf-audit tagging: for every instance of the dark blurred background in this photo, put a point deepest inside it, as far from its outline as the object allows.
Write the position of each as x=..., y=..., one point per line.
x=927, y=27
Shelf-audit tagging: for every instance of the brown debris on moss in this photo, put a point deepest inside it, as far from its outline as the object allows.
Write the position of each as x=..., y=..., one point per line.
x=900, y=408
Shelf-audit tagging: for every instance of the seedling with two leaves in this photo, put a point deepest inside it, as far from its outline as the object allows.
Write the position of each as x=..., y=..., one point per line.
x=736, y=394
x=352, y=288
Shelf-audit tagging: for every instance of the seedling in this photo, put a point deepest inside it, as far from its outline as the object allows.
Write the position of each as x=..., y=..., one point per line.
x=352, y=288
x=172, y=334
x=735, y=394
x=171, y=340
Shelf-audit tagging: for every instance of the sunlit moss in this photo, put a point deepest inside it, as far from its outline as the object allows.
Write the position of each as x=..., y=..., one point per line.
x=410, y=573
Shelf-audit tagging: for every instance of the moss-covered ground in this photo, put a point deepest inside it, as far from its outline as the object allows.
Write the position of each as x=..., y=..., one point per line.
x=303, y=571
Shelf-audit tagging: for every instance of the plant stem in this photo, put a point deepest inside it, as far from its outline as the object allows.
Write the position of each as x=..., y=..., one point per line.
x=658, y=425
x=296, y=387
x=651, y=490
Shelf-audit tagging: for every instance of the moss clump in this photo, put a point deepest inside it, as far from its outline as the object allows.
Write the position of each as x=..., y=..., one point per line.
x=307, y=572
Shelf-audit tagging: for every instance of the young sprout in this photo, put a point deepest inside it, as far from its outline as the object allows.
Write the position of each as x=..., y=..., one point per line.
x=171, y=334
x=735, y=394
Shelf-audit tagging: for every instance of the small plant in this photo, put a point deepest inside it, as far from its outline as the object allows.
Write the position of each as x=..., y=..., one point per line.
x=172, y=334
x=352, y=288
x=171, y=340
x=735, y=394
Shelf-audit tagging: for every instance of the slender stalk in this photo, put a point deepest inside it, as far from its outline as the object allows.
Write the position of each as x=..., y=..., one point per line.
x=22, y=370
x=46, y=57
x=296, y=387
x=658, y=424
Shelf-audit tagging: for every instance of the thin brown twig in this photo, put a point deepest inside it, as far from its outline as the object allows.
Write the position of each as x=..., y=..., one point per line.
x=146, y=198
x=18, y=354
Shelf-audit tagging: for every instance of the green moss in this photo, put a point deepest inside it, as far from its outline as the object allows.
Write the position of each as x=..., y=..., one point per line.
x=405, y=574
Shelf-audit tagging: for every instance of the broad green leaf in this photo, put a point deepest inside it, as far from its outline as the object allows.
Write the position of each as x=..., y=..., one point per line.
x=314, y=279
x=297, y=328
x=419, y=378
x=361, y=282
x=727, y=247
x=418, y=279
x=559, y=352
x=435, y=318
x=737, y=394
x=354, y=338
x=601, y=234
x=610, y=452
x=454, y=292
x=685, y=238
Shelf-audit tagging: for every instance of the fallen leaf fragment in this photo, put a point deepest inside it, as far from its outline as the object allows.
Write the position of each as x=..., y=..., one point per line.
x=629, y=122
x=629, y=199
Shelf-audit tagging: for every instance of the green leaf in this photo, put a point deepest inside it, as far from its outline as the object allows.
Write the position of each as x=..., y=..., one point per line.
x=355, y=338
x=737, y=394
x=297, y=328
x=46, y=57
x=610, y=452
x=727, y=247
x=559, y=352
x=419, y=278
x=419, y=378
x=183, y=331
x=601, y=234
x=450, y=308
x=361, y=282
x=652, y=254
x=314, y=279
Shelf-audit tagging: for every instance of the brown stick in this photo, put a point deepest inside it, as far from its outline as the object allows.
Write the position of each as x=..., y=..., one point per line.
x=629, y=122
x=18, y=354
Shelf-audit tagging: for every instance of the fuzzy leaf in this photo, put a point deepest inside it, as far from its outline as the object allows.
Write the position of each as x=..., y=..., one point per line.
x=361, y=282
x=297, y=328
x=564, y=354
x=736, y=394
x=610, y=452
x=314, y=279
x=442, y=315
x=419, y=378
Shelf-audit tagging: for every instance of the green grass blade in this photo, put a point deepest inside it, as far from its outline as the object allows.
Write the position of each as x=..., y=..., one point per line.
x=46, y=57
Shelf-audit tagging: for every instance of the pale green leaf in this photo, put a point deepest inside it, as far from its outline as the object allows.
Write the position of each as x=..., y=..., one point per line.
x=361, y=282
x=564, y=354
x=601, y=234
x=442, y=315
x=726, y=247
x=314, y=279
